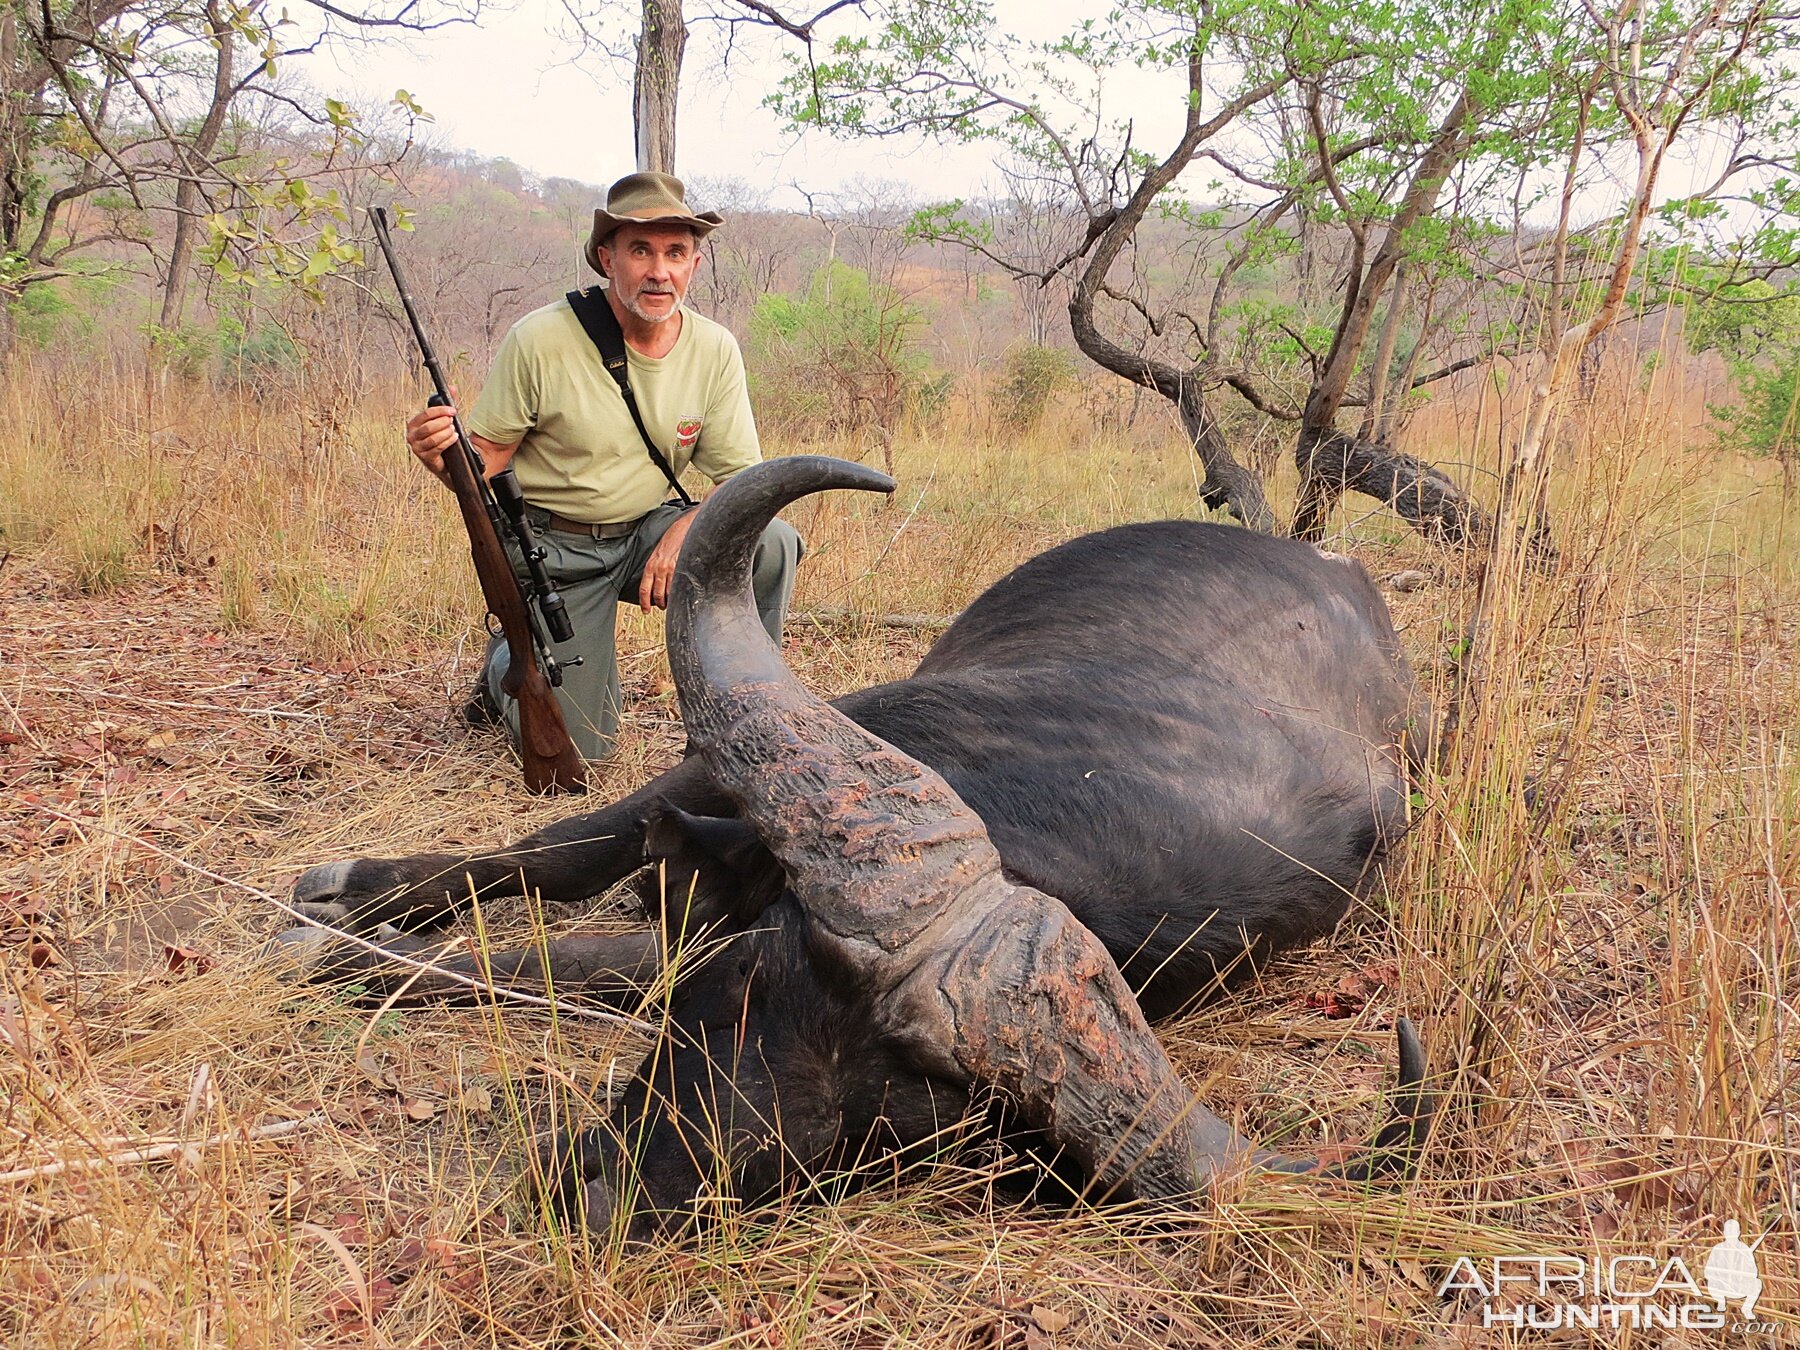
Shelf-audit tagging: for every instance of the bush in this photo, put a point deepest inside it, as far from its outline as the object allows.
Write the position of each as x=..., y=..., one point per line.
x=186, y=351
x=43, y=314
x=257, y=355
x=843, y=358
x=1033, y=375
x=1756, y=329
x=1766, y=421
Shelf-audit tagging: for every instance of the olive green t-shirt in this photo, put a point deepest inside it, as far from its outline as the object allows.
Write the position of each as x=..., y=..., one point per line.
x=579, y=453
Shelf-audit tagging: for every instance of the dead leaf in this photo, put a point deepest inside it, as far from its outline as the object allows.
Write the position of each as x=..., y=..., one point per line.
x=417, y=1108
x=378, y=1074
x=22, y=912
x=1352, y=993
x=360, y=1109
x=1049, y=1319
x=186, y=958
x=346, y=1309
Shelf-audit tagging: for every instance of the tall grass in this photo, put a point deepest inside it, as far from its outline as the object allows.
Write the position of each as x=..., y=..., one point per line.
x=1593, y=919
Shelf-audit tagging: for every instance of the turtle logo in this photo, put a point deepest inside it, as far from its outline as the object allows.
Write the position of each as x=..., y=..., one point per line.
x=687, y=431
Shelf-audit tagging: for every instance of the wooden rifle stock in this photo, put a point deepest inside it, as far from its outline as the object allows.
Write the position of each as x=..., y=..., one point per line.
x=552, y=764
x=551, y=761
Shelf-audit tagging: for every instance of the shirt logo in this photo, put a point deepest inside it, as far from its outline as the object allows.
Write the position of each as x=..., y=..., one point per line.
x=687, y=431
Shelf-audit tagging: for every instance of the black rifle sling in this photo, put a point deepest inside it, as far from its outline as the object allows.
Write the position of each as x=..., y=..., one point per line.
x=602, y=327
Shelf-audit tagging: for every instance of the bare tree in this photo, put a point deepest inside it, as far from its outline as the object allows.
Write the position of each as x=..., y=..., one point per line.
x=195, y=157
x=656, y=52
x=656, y=84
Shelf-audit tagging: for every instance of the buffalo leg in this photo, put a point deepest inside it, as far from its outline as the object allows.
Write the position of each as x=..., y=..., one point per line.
x=567, y=861
x=614, y=967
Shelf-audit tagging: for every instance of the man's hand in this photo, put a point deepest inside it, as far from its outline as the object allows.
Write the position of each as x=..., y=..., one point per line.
x=430, y=432
x=659, y=568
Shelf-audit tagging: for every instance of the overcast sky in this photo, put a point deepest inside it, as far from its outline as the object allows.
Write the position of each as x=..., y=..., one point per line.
x=517, y=86
x=513, y=88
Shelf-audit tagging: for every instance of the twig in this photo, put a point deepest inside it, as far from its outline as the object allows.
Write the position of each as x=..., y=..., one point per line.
x=176, y=703
x=198, y=1096
x=833, y=616
x=899, y=530
x=12, y=710
x=488, y=987
x=157, y=1152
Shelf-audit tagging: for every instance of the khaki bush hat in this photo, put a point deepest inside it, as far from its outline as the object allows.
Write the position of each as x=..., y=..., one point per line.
x=640, y=197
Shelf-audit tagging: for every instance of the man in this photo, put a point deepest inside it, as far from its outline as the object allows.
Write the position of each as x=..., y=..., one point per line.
x=551, y=411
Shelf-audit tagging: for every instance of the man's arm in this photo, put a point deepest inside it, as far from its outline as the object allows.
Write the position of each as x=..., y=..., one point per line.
x=659, y=567
x=728, y=444
x=431, y=431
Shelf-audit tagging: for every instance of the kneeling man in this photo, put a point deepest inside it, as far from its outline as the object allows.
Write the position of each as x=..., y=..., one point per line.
x=551, y=410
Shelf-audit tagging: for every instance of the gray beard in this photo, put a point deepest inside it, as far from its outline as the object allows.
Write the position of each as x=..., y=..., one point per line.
x=637, y=309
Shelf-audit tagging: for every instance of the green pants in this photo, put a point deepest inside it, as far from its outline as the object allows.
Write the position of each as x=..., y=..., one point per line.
x=595, y=577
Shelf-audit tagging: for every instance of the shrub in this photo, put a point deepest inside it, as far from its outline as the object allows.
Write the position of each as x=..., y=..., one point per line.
x=1033, y=375
x=1756, y=329
x=256, y=355
x=843, y=358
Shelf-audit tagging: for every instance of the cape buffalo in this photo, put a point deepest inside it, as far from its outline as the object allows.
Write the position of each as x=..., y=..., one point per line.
x=1128, y=772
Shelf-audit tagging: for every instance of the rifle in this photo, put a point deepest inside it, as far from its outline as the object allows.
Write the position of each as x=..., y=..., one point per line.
x=531, y=615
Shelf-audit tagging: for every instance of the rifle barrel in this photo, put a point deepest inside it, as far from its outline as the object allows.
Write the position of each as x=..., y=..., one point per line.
x=378, y=214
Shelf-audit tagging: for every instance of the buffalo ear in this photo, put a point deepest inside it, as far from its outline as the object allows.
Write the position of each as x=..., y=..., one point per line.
x=717, y=860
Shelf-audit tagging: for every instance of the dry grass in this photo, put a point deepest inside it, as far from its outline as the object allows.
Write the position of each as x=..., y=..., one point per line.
x=232, y=636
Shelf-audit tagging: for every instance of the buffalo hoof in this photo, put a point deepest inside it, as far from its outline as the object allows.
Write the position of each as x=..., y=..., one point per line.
x=346, y=889
x=306, y=952
x=298, y=953
x=571, y=1172
x=359, y=894
x=328, y=883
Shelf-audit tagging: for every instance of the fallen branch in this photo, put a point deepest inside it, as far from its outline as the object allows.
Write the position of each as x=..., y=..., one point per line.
x=832, y=617
x=496, y=991
x=150, y=1153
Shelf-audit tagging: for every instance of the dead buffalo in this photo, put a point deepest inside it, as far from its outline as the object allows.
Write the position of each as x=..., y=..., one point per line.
x=1129, y=771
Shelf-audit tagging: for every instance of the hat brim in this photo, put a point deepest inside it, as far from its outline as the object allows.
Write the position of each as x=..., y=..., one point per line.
x=606, y=223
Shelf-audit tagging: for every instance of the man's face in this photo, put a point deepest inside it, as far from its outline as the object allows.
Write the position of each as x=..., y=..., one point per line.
x=650, y=267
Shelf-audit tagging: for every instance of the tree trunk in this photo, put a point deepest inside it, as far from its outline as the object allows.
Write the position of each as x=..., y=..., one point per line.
x=196, y=157
x=657, y=85
x=1227, y=483
x=1384, y=355
x=1321, y=481
x=1387, y=418
x=1417, y=491
x=12, y=137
